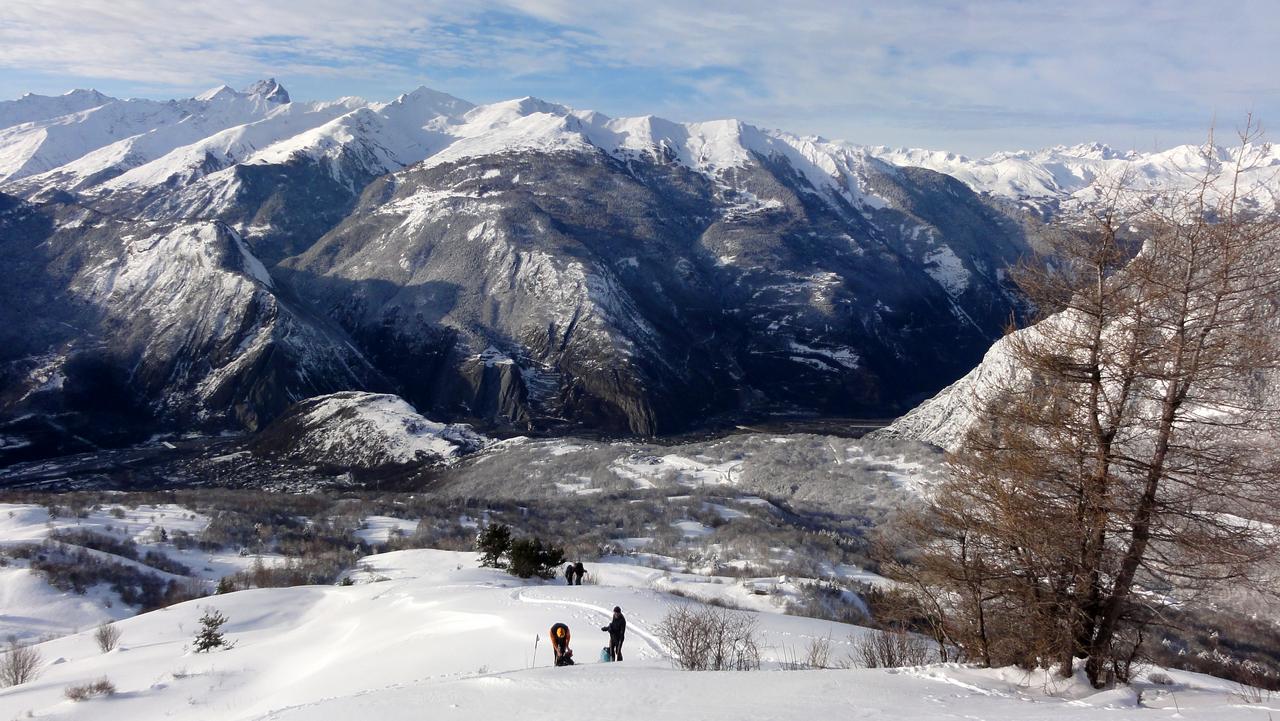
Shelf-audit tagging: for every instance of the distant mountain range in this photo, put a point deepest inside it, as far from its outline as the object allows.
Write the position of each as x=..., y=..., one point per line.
x=203, y=264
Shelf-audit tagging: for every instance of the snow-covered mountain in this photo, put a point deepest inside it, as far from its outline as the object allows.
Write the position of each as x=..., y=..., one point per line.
x=96, y=136
x=42, y=133
x=216, y=259
x=1048, y=178
x=31, y=108
x=213, y=260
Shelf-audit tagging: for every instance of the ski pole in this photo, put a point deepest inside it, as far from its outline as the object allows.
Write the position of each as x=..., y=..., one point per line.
x=536, y=639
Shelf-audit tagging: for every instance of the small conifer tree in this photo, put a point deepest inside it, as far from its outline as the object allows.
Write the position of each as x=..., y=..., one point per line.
x=493, y=542
x=530, y=557
x=210, y=635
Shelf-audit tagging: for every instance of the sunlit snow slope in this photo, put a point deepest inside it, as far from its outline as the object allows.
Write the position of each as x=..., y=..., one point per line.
x=426, y=634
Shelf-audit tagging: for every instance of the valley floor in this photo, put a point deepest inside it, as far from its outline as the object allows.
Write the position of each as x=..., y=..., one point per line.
x=428, y=634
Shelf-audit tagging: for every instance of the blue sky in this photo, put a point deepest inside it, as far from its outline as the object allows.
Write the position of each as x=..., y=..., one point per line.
x=972, y=77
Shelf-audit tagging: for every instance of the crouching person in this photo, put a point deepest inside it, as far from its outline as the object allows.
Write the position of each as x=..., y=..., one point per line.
x=560, y=645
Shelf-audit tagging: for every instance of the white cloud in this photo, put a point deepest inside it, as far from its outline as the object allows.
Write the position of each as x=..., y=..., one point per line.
x=908, y=69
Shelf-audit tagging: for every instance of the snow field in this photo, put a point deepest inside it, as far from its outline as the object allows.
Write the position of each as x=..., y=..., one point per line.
x=441, y=638
x=30, y=523
x=31, y=609
x=726, y=462
x=380, y=529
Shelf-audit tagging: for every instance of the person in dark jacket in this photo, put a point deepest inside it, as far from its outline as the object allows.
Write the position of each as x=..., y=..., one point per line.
x=617, y=629
x=568, y=574
x=560, y=645
x=579, y=571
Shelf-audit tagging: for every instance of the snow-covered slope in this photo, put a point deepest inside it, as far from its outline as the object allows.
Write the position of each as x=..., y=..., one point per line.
x=840, y=475
x=186, y=307
x=438, y=128
x=185, y=150
x=31, y=609
x=43, y=145
x=364, y=430
x=428, y=634
x=154, y=127
x=948, y=416
x=800, y=244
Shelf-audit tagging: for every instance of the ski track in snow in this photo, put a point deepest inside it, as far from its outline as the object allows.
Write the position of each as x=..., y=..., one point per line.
x=655, y=645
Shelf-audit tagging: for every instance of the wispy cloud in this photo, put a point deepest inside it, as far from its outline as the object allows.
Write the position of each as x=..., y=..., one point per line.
x=972, y=76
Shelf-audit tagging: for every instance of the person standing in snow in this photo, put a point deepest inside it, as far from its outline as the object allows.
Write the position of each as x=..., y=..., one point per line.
x=617, y=629
x=560, y=645
x=568, y=574
x=579, y=571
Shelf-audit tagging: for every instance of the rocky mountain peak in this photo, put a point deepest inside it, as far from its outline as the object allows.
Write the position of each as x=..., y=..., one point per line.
x=269, y=90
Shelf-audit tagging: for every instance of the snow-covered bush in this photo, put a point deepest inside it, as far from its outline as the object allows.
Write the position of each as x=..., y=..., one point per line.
x=707, y=638
x=302, y=570
x=107, y=636
x=161, y=562
x=125, y=548
x=894, y=648
x=816, y=655
x=818, y=652
x=101, y=687
x=833, y=601
x=20, y=663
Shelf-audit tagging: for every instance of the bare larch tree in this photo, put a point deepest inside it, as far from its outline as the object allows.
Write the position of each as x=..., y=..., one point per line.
x=1128, y=462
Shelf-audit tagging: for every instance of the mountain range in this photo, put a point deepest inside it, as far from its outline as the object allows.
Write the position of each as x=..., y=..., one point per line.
x=201, y=265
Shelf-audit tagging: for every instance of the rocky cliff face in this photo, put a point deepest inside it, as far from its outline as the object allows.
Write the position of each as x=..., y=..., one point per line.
x=115, y=328
x=641, y=296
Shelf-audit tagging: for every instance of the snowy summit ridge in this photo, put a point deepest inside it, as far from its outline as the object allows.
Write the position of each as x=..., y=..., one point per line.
x=427, y=124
